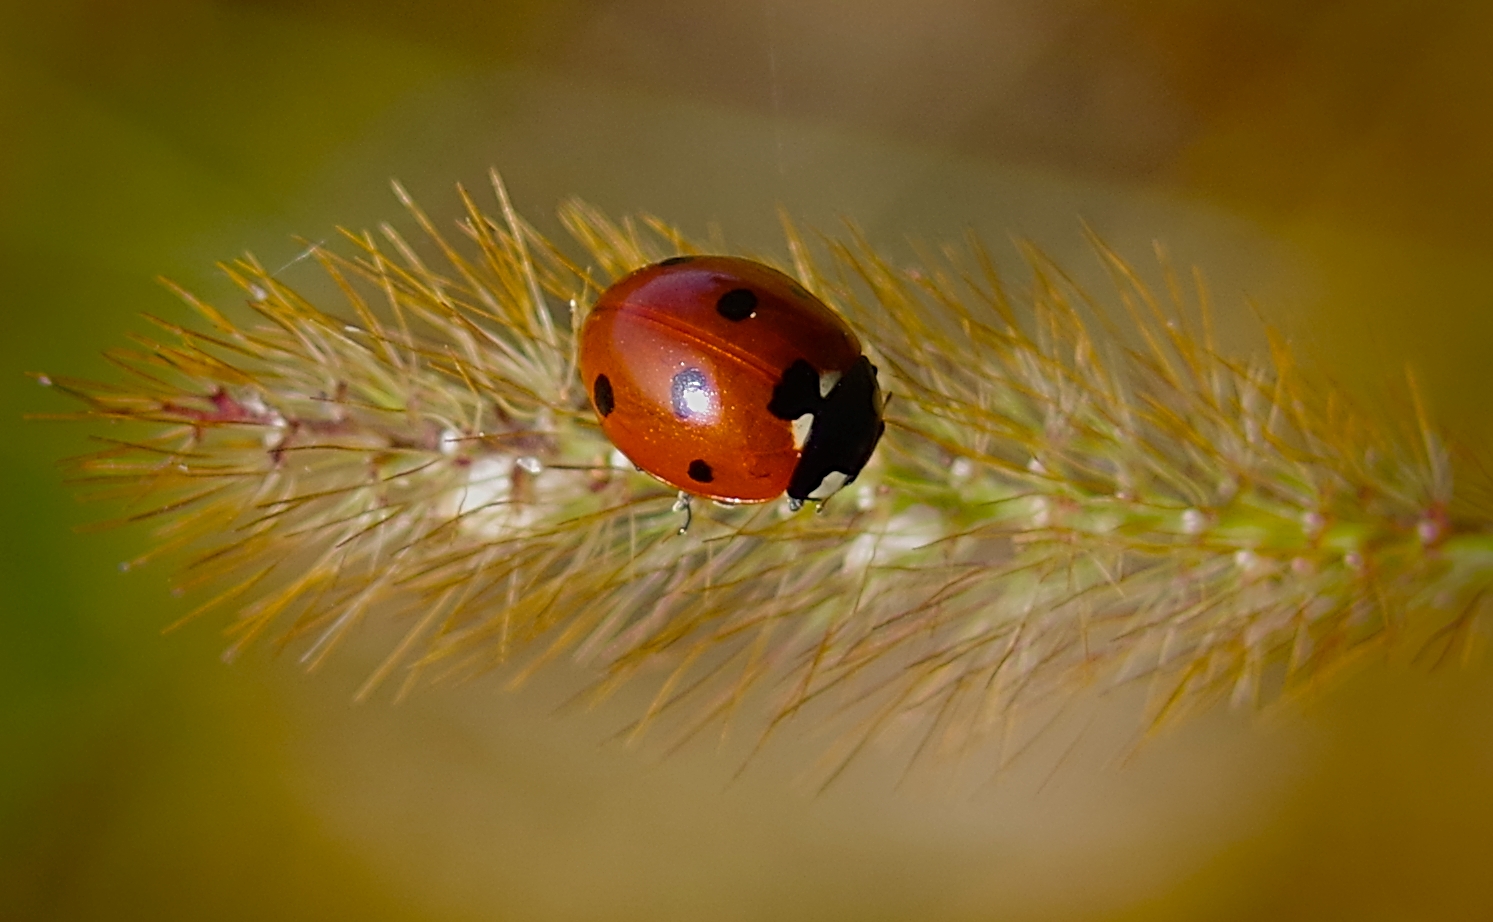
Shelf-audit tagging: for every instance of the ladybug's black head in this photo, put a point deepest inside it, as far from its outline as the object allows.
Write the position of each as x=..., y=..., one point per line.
x=847, y=425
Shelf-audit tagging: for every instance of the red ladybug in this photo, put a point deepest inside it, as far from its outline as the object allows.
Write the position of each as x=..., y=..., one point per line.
x=726, y=379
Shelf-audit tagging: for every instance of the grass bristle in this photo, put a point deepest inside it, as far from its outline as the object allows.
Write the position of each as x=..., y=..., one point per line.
x=1069, y=494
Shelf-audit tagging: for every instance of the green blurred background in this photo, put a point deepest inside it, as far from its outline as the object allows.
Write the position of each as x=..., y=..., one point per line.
x=1329, y=162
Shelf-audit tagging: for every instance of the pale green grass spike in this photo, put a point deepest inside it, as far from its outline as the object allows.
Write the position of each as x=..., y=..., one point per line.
x=1075, y=489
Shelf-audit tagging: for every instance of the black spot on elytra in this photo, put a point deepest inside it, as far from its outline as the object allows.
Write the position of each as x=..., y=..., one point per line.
x=677, y=260
x=737, y=304
x=601, y=394
x=700, y=472
x=796, y=393
x=690, y=394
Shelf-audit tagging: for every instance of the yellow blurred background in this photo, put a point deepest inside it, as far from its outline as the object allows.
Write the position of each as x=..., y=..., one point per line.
x=1327, y=162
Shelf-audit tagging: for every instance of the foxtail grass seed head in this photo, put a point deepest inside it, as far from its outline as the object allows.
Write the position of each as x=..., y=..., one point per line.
x=1070, y=492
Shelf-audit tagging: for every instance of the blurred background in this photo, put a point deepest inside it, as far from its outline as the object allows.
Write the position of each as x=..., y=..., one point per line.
x=1326, y=164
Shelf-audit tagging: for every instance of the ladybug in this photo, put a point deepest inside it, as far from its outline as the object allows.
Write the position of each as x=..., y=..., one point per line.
x=727, y=379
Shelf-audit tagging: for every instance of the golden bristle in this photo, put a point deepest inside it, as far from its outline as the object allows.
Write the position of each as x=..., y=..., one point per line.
x=1073, y=491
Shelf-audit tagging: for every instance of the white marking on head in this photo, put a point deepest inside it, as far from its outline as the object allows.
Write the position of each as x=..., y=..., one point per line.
x=829, y=486
x=801, y=428
x=827, y=382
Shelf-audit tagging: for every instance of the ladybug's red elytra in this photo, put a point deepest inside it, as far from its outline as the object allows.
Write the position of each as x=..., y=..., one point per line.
x=727, y=379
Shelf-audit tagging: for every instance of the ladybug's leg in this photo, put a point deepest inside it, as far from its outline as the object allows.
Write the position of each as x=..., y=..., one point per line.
x=682, y=504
